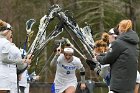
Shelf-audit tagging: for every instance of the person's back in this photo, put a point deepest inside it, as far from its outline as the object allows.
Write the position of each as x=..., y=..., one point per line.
x=8, y=77
x=10, y=59
x=122, y=58
x=123, y=70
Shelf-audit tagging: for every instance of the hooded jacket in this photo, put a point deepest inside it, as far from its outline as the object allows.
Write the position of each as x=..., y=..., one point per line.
x=123, y=57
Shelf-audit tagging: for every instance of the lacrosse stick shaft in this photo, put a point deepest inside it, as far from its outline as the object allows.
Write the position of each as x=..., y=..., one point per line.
x=44, y=22
x=48, y=60
x=67, y=40
x=58, y=30
x=29, y=24
x=75, y=28
x=73, y=40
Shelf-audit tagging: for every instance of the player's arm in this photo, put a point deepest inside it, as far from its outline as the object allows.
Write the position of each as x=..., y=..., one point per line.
x=82, y=74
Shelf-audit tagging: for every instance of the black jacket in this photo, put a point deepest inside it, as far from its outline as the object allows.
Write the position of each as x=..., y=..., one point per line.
x=122, y=58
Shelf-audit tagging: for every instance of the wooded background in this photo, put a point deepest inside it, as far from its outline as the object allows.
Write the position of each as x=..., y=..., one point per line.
x=101, y=15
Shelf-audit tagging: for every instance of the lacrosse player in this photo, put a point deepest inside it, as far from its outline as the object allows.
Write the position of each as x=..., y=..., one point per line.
x=65, y=78
x=102, y=70
x=10, y=56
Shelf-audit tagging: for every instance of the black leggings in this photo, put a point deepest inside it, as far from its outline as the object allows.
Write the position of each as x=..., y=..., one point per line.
x=21, y=89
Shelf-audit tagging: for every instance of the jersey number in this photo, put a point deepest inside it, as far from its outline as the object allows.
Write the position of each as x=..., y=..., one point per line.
x=68, y=72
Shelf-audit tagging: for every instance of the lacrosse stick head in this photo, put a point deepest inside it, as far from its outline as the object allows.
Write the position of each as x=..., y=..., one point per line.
x=29, y=25
x=43, y=19
x=54, y=9
x=62, y=41
x=58, y=45
x=87, y=33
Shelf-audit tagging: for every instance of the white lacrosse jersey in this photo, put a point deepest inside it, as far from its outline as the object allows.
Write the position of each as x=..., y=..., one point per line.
x=65, y=73
x=23, y=81
x=8, y=75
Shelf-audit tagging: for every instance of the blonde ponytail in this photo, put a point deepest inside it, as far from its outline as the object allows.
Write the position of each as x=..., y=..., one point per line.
x=125, y=25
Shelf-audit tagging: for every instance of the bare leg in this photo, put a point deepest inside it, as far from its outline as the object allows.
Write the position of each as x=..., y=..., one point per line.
x=136, y=88
x=70, y=89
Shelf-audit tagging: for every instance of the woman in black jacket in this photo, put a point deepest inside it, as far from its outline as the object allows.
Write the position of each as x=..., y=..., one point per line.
x=122, y=57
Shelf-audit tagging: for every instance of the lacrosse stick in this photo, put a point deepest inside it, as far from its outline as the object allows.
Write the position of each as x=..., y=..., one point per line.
x=60, y=42
x=74, y=40
x=44, y=22
x=75, y=28
x=48, y=60
x=58, y=30
x=29, y=24
x=68, y=42
x=87, y=33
